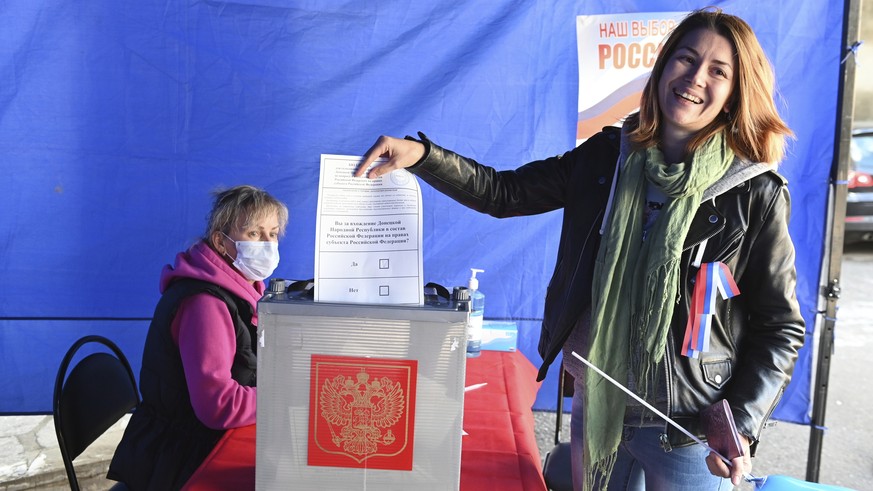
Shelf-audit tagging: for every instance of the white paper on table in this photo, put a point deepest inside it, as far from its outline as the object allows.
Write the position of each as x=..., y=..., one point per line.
x=368, y=236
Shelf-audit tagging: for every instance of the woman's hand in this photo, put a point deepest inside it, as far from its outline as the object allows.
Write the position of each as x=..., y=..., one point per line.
x=400, y=153
x=739, y=466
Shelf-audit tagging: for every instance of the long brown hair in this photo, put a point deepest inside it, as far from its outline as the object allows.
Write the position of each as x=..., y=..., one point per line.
x=752, y=126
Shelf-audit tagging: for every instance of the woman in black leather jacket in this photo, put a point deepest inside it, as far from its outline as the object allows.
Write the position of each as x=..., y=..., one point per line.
x=685, y=194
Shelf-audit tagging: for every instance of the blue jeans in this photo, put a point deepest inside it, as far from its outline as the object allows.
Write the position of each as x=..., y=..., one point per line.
x=641, y=464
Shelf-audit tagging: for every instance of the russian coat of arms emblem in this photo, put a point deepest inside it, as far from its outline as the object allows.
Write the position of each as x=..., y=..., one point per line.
x=361, y=412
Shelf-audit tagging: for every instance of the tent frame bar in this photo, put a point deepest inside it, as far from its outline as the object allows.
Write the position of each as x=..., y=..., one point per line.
x=838, y=190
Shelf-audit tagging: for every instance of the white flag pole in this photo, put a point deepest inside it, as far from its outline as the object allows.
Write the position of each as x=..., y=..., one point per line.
x=650, y=407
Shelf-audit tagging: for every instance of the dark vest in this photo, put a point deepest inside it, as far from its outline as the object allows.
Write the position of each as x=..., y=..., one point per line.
x=164, y=442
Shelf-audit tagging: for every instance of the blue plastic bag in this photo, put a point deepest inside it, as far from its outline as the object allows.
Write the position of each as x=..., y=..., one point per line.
x=785, y=483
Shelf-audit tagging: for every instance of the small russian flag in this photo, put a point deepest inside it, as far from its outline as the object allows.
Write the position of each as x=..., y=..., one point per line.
x=712, y=279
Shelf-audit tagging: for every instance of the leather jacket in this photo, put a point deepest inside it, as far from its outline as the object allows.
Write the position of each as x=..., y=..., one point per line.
x=755, y=335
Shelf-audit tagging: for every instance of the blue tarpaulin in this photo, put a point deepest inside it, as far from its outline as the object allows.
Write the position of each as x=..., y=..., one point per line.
x=117, y=119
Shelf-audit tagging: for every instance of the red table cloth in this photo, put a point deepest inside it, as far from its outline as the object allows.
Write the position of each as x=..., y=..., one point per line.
x=499, y=452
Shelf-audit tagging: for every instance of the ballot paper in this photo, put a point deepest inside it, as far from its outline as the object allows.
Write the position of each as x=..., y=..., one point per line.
x=368, y=236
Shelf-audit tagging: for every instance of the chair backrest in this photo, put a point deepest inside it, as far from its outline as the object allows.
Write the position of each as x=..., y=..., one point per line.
x=98, y=391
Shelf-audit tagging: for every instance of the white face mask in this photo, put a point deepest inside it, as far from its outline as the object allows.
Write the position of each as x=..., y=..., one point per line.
x=256, y=260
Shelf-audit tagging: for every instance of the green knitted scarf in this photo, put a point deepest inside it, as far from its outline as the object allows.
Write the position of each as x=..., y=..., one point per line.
x=636, y=286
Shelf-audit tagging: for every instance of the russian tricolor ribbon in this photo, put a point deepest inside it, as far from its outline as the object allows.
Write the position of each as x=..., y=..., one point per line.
x=713, y=280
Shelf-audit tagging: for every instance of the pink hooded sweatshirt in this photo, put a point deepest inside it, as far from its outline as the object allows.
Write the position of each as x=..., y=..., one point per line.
x=204, y=331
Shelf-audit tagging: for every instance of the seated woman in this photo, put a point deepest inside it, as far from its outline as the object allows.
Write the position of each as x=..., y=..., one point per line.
x=199, y=364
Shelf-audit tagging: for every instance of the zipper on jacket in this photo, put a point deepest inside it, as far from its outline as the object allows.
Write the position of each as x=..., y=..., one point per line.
x=668, y=381
x=770, y=412
x=665, y=441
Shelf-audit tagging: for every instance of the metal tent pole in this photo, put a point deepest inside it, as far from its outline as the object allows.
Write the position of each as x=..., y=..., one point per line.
x=838, y=190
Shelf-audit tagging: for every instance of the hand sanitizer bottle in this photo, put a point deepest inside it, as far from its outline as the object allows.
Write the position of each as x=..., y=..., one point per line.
x=477, y=315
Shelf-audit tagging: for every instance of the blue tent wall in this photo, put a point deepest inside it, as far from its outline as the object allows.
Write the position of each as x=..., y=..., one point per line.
x=118, y=118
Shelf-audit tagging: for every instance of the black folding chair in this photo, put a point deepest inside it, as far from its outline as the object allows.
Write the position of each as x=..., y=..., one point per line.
x=556, y=467
x=98, y=391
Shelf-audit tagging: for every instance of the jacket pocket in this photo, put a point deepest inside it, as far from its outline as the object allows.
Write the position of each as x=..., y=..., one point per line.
x=716, y=372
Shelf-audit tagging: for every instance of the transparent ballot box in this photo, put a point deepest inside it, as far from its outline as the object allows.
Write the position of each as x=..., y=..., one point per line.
x=354, y=396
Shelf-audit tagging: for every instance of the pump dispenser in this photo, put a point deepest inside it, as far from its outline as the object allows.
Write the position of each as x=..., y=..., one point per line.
x=477, y=315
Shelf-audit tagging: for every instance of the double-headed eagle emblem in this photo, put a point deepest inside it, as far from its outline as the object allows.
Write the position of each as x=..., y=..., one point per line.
x=357, y=412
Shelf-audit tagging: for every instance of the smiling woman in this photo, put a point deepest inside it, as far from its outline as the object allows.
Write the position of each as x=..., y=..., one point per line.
x=696, y=191
x=755, y=131
x=694, y=88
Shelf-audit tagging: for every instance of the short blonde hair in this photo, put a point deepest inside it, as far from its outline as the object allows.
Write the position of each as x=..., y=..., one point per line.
x=243, y=205
x=752, y=126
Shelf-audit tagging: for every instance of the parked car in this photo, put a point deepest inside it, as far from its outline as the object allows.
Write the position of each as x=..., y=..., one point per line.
x=859, y=200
